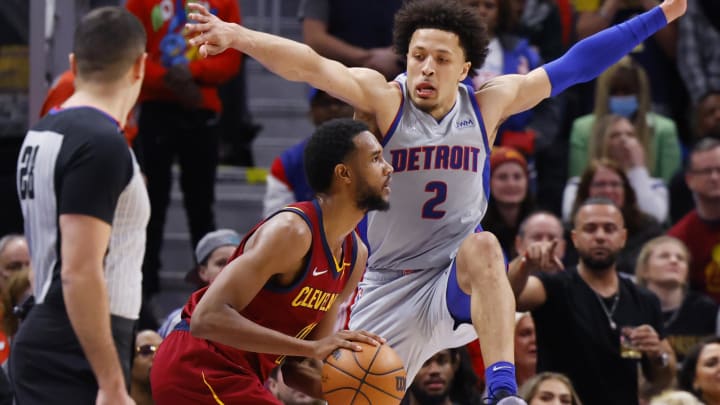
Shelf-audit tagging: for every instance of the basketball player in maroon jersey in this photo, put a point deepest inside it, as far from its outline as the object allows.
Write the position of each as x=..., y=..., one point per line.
x=278, y=295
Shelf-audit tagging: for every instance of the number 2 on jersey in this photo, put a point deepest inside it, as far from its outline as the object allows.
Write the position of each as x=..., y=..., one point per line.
x=430, y=209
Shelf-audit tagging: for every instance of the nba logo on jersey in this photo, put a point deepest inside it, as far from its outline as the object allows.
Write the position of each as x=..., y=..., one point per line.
x=466, y=123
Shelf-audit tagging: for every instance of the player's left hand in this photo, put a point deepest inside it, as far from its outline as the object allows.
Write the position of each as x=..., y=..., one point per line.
x=673, y=9
x=214, y=35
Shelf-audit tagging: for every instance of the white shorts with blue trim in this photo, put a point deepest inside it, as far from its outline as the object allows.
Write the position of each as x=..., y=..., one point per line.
x=410, y=310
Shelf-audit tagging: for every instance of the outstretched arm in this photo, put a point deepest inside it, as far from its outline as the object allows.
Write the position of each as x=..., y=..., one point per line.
x=583, y=62
x=363, y=88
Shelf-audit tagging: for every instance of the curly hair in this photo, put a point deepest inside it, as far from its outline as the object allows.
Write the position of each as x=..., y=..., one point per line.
x=445, y=15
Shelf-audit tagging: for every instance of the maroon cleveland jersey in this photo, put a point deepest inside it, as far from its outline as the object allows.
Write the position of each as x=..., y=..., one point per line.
x=296, y=309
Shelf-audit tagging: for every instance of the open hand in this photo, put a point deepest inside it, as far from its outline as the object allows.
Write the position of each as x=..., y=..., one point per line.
x=344, y=339
x=214, y=35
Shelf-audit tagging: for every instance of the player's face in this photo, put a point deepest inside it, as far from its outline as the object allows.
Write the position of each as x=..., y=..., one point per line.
x=435, y=65
x=667, y=264
x=703, y=177
x=509, y=183
x=434, y=379
x=373, y=181
x=217, y=260
x=599, y=235
x=606, y=183
x=552, y=392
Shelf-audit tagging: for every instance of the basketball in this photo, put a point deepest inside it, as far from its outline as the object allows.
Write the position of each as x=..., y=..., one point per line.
x=374, y=376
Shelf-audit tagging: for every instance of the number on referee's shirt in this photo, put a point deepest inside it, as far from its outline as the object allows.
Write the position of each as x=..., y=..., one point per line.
x=27, y=167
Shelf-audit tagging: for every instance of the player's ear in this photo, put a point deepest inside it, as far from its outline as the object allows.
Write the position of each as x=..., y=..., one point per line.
x=342, y=172
x=138, y=69
x=465, y=71
x=73, y=64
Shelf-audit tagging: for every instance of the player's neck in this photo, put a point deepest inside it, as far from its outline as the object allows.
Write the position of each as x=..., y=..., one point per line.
x=103, y=97
x=604, y=282
x=340, y=217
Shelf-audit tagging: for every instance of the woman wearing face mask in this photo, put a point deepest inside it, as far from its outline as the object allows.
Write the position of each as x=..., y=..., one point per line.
x=624, y=90
x=616, y=139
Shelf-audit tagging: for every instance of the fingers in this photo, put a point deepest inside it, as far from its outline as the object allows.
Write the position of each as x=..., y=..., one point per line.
x=197, y=8
x=363, y=336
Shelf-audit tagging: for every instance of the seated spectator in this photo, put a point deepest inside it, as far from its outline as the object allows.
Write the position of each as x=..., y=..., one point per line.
x=286, y=181
x=605, y=178
x=615, y=138
x=212, y=254
x=510, y=200
x=623, y=90
x=549, y=388
x=700, y=371
x=706, y=123
x=147, y=342
x=700, y=229
x=525, y=347
x=541, y=226
x=447, y=378
x=688, y=316
x=14, y=256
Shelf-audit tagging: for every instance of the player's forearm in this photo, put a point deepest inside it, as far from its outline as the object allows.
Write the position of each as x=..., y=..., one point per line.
x=593, y=55
x=87, y=306
x=226, y=326
x=288, y=59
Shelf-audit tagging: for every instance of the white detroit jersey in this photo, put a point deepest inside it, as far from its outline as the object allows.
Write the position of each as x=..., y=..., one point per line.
x=440, y=185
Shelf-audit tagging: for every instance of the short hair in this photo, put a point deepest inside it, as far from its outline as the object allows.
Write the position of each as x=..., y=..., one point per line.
x=597, y=201
x=523, y=224
x=686, y=375
x=8, y=239
x=107, y=42
x=530, y=387
x=330, y=145
x=703, y=145
x=445, y=15
x=647, y=250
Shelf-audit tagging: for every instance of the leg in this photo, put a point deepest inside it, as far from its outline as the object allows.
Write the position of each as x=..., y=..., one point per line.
x=480, y=268
x=198, y=158
x=155, y=141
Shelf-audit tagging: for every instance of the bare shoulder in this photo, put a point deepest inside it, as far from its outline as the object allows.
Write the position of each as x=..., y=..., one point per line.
x=286, y=232
x=375, y=86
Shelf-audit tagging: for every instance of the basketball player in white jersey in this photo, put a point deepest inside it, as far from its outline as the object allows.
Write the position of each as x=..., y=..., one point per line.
x=431, y=273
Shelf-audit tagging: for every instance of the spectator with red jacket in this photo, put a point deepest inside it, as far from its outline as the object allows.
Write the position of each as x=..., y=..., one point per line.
x=179, y=108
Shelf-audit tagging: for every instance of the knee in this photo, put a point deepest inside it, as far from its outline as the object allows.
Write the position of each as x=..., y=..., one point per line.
x=481, y=258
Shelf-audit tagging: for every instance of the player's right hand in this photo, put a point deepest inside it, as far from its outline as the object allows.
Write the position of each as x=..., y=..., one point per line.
x=210, y=33
x=344, y=339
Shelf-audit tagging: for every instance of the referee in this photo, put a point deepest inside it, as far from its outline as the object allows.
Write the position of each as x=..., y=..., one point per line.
x=85, y=208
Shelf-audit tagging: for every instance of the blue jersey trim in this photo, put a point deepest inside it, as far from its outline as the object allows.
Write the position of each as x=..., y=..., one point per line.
x=398, y=115
x=326, y=247
x=486, y=141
